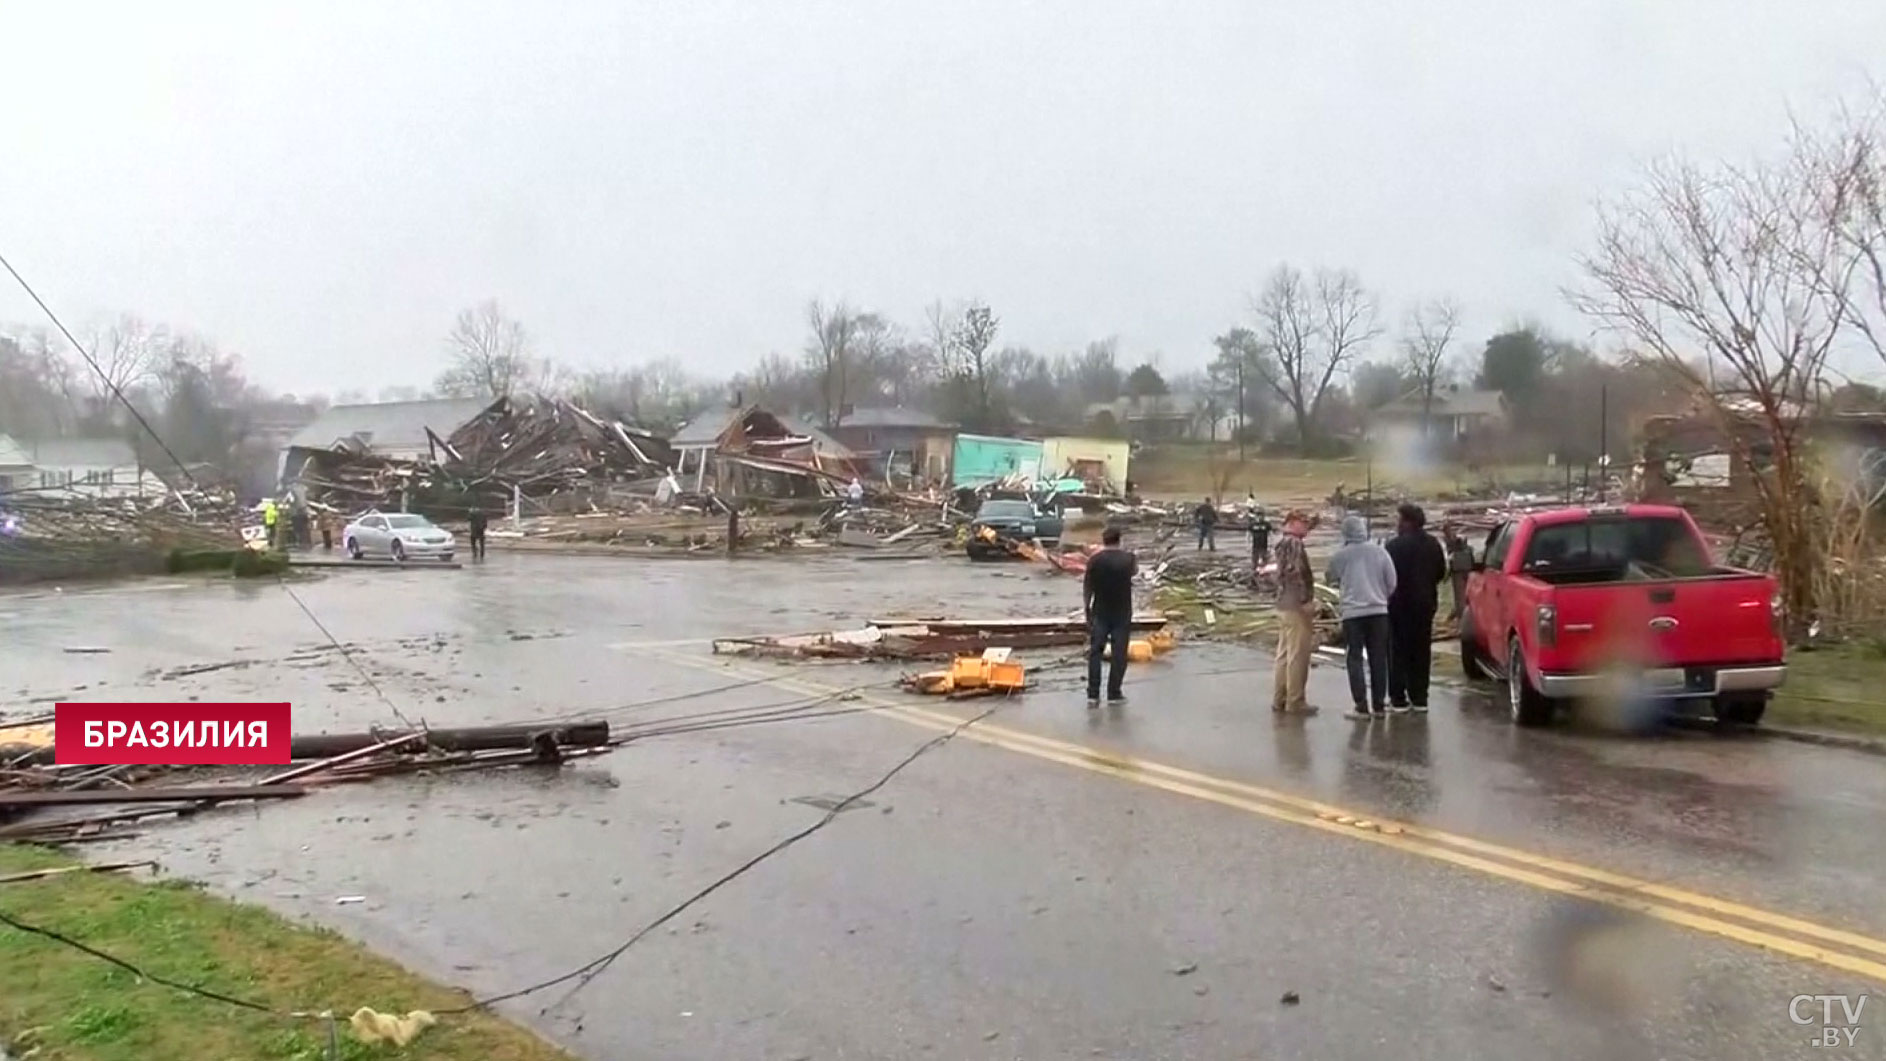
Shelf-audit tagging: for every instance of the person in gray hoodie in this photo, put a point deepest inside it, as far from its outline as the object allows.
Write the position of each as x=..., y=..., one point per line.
x=1365, y=575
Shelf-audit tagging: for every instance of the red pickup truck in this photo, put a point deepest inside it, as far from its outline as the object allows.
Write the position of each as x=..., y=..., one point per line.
x=1580, y=602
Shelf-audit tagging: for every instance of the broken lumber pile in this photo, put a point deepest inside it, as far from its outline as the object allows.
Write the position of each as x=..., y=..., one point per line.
x=548, y=446
x=923, y=638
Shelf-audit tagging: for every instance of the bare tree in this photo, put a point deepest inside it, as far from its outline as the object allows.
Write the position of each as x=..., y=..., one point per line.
x=1428, y=333
x=1734, y=263
x=830, y=352
x=128, y=352
x=1848, y=165
x=975, y=334
x=489, y=354
x=941, y=324
x=1314, y=328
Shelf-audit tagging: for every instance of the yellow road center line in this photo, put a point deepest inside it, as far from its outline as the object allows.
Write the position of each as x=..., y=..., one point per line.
x=1541, y=871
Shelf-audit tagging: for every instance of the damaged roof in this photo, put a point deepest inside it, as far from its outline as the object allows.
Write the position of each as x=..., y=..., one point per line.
x=12, y=455
x=84, y=453
x=714, y=427
x=388, y=425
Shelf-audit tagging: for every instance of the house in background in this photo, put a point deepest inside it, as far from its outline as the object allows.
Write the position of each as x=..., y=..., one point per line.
x=1454, y=415
x=1156, y=418
x=16, y=468
x=93, y=467
x=392, y=430
x=902, y=444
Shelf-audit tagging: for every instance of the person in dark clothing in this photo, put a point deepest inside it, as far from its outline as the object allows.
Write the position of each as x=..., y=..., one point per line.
x=1108, y=594
x=733, y=529
x=477, y=523
x=1206, y=515
x=1420, y=568
x=1260, y=538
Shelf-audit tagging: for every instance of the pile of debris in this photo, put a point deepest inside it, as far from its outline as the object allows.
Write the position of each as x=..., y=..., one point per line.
x=926, y=638
x=550, y=450
x=45, y=537
x=347, y=481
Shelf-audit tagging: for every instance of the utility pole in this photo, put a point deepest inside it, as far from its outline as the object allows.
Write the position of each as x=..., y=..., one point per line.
x=1240, y=407
x=1604, y=442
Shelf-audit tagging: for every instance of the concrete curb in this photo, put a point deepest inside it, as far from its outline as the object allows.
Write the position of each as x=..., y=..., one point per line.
x=1852, y=742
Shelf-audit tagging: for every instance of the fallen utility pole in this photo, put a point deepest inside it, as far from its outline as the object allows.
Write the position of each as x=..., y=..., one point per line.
x=327, y=764
x=469, y=739
x=197, y=793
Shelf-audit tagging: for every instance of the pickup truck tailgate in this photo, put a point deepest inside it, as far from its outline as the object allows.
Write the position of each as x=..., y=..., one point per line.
x=1715, y=619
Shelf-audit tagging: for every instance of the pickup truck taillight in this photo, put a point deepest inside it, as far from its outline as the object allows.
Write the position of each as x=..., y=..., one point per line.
x=1547, y=619
x=1774, y=611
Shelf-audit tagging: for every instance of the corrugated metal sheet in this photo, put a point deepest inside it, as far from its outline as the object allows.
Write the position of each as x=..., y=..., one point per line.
x=978, y=459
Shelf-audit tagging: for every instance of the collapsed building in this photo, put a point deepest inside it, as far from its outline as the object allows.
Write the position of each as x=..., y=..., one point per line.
x=745, y=450
x=449, y=455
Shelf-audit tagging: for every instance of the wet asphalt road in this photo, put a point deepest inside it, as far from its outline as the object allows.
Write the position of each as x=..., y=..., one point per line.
x=1141, y=883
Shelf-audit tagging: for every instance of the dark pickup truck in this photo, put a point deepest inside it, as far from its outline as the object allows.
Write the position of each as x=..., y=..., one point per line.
x=1012, y=519
x=1579, y=603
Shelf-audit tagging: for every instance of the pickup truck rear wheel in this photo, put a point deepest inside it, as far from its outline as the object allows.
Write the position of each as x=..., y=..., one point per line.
x=1527, y=705
x=1741, y=709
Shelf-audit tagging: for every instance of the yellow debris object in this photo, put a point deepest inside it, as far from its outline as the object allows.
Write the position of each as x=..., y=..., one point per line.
x=969, y=672
x=1162, y=642
x=371, y=1026
x=1008, y=677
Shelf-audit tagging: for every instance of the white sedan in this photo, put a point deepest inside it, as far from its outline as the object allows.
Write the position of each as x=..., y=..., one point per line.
x=399, y=535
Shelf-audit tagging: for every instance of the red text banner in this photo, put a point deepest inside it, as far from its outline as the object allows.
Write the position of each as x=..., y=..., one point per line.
x=188, y=734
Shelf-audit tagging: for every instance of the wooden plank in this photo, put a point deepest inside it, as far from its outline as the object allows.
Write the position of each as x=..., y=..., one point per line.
x=206, y=793
x=107, y=867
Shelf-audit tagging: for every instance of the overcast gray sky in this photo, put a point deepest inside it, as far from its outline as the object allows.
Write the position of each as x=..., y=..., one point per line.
x=321, y=187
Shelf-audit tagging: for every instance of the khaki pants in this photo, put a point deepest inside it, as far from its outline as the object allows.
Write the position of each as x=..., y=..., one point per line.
x=1296, y=638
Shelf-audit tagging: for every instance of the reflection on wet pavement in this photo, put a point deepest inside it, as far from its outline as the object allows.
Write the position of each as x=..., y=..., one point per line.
x=494, y=880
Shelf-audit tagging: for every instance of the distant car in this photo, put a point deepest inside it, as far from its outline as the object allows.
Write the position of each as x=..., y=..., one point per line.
x=1012, y=519
x=399, y=535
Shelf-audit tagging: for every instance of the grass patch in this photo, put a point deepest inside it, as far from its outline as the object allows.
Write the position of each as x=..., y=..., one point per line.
x=1188, y=472
x=243, y=563
x=81, y=1009
x=1835, y=688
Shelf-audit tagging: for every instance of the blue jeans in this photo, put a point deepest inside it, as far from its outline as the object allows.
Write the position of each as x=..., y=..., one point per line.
x=1107, y=632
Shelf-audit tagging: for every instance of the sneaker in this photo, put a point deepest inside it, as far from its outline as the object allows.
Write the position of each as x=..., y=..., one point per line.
x=1359, y=714
x=1093, y=703
x=1308, y=709
x=1379, y=712
x=1398, y=709
x=1419, y=709
x=1115, y=699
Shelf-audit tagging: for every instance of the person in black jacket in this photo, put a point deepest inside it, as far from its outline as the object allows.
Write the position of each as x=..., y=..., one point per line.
x=1107, y=593
x=1420, y=568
